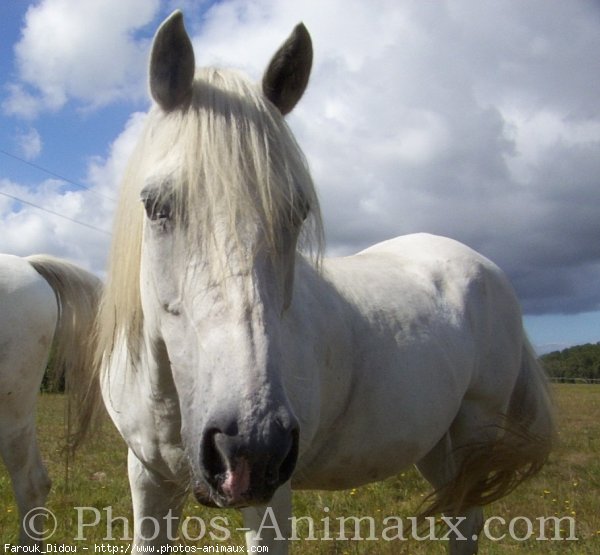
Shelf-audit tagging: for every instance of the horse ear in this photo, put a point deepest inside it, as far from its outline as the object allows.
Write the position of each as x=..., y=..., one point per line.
x=172, y=64
x=287, y=75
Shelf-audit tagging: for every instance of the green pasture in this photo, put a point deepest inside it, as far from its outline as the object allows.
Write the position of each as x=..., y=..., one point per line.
x=568, y=489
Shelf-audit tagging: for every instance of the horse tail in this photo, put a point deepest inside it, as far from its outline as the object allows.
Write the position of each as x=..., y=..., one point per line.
x=532, y=407
x=517, y=449
x=77, y=294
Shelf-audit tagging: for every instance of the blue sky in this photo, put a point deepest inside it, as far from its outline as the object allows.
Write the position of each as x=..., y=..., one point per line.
x=70, y=135
x=478, y=120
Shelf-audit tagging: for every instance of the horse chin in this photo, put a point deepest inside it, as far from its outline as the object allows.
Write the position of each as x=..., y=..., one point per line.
x=205, y=495
x=213, y=498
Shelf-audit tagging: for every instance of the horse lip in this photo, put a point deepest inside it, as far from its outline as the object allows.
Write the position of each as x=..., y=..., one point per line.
x=205, y=495
x=212, y=497
x=217, y=501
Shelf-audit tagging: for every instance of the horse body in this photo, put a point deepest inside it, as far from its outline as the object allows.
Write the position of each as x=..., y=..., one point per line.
x=29, y=311
x=43, y=300
x=236, y=368
x=415, y=315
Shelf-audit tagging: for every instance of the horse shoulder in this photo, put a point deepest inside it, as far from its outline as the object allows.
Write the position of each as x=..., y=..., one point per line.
x=433, y=304
x=475, y=298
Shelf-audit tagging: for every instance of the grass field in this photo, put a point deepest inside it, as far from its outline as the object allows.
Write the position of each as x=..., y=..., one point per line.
x=569, y=486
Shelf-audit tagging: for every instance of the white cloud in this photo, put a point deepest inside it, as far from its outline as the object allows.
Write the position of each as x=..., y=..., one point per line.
x=81, y=50
x=105, y=174
x=30, y=143
x=475, y=120
x=81, y=232
x=33, y=226
x=20, y=102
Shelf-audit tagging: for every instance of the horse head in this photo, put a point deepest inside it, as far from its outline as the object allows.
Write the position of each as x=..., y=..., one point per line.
x=225, y=191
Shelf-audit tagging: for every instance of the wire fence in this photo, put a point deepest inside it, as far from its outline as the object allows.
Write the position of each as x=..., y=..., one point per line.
x=567, y=379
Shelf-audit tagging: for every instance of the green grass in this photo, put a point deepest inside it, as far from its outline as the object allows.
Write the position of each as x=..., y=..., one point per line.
x=568, y=486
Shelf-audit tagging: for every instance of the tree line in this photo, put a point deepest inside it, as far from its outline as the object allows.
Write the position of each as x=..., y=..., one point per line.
x=581, y=362
x=574, y=364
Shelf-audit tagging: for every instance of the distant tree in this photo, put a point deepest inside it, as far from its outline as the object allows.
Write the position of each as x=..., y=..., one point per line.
x=50, y=385
x=581, y=362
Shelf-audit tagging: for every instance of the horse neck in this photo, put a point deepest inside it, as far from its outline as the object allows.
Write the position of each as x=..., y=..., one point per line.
x=319, y=311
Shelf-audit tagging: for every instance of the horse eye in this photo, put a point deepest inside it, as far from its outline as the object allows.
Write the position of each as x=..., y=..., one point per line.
x=157, y=211
x=158, y=208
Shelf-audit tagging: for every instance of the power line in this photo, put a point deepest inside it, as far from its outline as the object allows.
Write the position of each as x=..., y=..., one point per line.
x=62, y=178
x=55, y=213
x=54, y=174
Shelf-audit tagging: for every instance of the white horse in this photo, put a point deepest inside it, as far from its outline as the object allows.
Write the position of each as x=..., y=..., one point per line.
x=44, y=302
x=237, y=368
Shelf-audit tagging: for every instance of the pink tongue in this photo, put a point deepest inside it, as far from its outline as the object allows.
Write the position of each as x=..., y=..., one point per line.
x=237, y=480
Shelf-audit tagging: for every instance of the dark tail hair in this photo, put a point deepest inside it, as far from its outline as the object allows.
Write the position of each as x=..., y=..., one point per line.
x=490, y=470
x=77, y=294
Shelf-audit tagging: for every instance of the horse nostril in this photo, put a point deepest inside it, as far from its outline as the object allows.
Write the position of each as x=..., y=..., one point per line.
x=272, y=476
x=212, y=461
x=239, y=469
x=288, y=463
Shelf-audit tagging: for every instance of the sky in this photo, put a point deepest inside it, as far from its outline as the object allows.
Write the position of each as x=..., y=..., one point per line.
x=474, y=119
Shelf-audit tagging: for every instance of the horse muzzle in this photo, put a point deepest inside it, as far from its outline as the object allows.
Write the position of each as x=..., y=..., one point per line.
x=237, y=471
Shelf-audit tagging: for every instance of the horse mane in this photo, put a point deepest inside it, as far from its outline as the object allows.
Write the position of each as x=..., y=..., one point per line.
x=237, y=158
